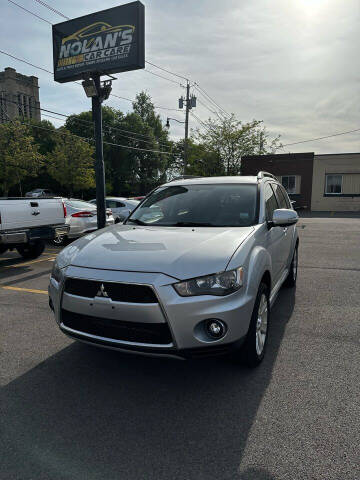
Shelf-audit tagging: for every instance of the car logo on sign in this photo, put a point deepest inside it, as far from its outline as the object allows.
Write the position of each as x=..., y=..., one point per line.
x=102, y=292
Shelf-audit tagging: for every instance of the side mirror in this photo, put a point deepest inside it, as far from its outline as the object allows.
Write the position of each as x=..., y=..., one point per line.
x=283, y=217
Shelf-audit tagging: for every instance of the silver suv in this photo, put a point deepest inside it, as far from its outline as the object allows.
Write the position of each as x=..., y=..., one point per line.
x=192, y=272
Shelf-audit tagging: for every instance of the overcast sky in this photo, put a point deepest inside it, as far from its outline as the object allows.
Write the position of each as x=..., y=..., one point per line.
x=292, y=63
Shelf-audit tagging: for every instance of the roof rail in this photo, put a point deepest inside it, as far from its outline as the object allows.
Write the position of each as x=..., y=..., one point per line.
x=184, y=177
x=266, y=174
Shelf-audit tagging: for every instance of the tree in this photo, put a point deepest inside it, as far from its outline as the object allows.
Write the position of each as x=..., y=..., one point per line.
x=230, y=139
x=71, y=163
x=19, y=156
x=130, y=165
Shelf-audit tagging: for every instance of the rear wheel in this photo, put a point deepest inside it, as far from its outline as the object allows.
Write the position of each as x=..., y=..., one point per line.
x=31, y=251
x=253, y=350
x=290, y=280
x=59, y=240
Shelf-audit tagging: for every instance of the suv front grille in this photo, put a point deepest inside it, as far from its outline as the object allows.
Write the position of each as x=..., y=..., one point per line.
x=154, y=333
x=119, y=292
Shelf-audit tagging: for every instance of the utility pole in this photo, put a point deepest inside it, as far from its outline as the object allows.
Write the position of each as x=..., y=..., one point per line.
x=188, y=106
x=190, y=102
x=99, y=157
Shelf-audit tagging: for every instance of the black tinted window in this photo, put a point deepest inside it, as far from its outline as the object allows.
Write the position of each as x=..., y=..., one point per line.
x=270, y=202
x=215, y=205
x=280, y=196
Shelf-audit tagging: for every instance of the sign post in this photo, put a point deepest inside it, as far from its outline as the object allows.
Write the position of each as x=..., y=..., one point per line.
x=88, y=47
x=99, y=157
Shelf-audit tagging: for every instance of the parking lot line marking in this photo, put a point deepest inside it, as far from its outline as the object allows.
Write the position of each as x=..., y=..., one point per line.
x=50, y=259
x=30, y=290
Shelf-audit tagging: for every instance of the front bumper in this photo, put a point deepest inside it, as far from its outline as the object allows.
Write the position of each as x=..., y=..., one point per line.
x=180, y=315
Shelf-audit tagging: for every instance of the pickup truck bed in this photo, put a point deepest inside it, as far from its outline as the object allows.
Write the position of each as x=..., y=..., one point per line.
x=26, y=223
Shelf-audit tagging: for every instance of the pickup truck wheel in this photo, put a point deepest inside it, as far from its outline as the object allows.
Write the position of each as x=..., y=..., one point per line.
x=31, y=251
x=290, y=280
x=59, y=240
x=253, y=350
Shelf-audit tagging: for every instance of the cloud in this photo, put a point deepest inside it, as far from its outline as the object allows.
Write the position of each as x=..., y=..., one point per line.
x=293, y=64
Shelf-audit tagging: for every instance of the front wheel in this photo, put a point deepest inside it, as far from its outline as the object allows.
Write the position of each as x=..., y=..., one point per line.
x=31, y=251
x=253, y=349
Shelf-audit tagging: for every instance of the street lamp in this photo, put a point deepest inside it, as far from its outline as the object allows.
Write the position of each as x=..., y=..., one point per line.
x=168, y=121
x=90, y=88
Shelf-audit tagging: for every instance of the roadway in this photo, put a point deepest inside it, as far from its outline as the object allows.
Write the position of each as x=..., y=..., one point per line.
x=72, y=411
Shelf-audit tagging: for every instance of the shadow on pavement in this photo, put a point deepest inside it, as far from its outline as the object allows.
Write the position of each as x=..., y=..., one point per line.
x=87, y=413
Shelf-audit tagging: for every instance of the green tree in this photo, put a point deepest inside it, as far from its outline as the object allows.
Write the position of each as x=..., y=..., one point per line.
x=19, y=156
x=132, y=143
x=229, y=139
x=71, y=163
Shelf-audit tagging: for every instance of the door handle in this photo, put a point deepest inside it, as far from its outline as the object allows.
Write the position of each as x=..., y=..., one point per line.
x=36, y=212
x=285, y=230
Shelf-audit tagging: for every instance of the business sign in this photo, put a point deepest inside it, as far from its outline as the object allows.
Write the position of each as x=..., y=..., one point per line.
x=104, y=42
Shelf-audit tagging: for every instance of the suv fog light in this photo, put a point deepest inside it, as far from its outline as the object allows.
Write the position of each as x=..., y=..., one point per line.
x=215, y=328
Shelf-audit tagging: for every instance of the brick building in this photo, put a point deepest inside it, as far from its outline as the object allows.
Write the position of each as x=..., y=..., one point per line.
x=19, y=96
x=315, y=182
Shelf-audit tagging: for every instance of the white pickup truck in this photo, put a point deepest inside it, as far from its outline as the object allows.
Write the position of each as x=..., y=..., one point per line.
x=26, y=223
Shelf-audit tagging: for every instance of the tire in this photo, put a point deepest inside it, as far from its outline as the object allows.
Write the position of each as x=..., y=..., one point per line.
x=31, y=251
x=59, y=240
x=290, y=280
x=254, y=347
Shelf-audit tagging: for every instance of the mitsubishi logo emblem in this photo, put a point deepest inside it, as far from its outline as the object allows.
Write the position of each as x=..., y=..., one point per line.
x=102, y=292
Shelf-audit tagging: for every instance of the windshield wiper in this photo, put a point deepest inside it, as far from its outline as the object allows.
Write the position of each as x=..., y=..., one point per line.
x=136, y=221
x=192, y=224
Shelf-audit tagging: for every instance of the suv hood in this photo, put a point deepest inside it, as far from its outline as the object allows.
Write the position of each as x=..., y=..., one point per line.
x=180, y=252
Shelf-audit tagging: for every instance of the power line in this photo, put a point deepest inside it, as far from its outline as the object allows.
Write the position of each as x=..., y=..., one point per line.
x=88, y=122
x=203, y=124
x=321, y=138
x=162, y=76
x=28, y=63
x=167, y=71
x=68, y=18
x=91, y=139
x=150, y=63
x=201, y=90
x=52, y=9
x=78, y=83
x=31, y=13
x=197, y=86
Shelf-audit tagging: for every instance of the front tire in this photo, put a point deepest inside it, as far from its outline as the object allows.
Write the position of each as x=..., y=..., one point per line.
x=253, y=350
x=31, y=251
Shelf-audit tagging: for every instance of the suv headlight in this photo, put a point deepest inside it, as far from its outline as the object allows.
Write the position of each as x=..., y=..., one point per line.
x=220, y=284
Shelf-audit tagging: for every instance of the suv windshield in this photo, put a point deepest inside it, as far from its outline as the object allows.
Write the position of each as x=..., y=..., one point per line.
x=212, y=205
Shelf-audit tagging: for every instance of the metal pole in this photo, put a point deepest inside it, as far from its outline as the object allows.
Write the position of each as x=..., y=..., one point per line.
x=186, y=126
x=99, y=157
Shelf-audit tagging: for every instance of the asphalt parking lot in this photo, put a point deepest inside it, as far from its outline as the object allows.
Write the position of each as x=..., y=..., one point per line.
x=71, y=411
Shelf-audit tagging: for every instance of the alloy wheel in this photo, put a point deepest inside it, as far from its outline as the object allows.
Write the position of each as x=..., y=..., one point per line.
x=261, y=324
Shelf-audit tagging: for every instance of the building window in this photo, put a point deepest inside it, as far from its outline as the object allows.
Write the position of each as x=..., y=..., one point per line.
x=21, y=112
x=333, y=184
x=289, y=183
